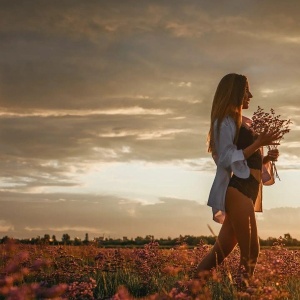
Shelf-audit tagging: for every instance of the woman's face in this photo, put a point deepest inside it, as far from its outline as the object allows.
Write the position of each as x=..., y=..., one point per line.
x=247, y=97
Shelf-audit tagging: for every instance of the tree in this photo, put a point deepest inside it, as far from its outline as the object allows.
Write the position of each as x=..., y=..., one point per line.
x=6, y=239
x=287, y=236
x=86, y=239
x=139, y=240
x=46, y=239
x=77, y=241
x=66, y=239
x=149, y=238
x=54, y=240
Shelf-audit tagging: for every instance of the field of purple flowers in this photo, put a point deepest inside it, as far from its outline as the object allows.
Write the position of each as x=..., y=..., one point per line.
x=89, y=272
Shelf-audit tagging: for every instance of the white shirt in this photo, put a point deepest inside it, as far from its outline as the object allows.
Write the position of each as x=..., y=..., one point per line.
x=228, y=160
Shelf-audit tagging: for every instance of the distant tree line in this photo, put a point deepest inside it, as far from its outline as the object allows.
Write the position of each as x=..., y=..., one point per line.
x=189, y=240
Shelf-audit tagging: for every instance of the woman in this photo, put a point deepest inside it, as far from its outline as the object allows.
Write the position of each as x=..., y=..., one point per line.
x=241, y=169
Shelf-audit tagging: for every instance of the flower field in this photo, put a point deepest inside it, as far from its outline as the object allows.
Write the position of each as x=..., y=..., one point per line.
x=89, y=272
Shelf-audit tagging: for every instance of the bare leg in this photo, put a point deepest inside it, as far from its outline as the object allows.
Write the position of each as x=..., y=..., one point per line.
x=239, y=226
x=225, y=243
x=241, y=214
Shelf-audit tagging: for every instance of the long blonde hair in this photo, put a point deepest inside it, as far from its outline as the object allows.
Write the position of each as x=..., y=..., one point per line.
x=227, y=101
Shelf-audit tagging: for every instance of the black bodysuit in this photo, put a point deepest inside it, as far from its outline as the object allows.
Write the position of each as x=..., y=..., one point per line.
x=249, y=186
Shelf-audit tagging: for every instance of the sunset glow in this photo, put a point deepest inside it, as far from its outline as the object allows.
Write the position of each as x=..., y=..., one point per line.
x=105, y=109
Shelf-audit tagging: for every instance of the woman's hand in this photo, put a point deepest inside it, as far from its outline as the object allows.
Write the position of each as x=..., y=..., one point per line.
x=264, y=139
x=269, y=138
x=271, y=156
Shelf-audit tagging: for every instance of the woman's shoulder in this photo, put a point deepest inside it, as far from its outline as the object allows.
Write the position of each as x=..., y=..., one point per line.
x=227, y=124
x=246, y=121
x=228, y=121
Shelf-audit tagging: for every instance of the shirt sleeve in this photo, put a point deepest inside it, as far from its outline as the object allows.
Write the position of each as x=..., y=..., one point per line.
x=228, y=155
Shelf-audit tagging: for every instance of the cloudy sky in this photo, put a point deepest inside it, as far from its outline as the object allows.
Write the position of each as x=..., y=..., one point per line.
x=104, y=112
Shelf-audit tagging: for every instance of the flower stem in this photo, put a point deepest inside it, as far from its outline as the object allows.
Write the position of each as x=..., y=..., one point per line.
x=275, y=170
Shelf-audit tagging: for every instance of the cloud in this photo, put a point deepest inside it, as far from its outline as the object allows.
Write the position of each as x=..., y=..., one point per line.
x=102, y=82
x=46, y=149
x=278, y=221
x=99, y=215
x=117, y=217
x=66, y=229
x=5, y=227
x=60, y=63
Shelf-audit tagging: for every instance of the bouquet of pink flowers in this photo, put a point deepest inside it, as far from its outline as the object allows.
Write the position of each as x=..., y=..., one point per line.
x=262, y=121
